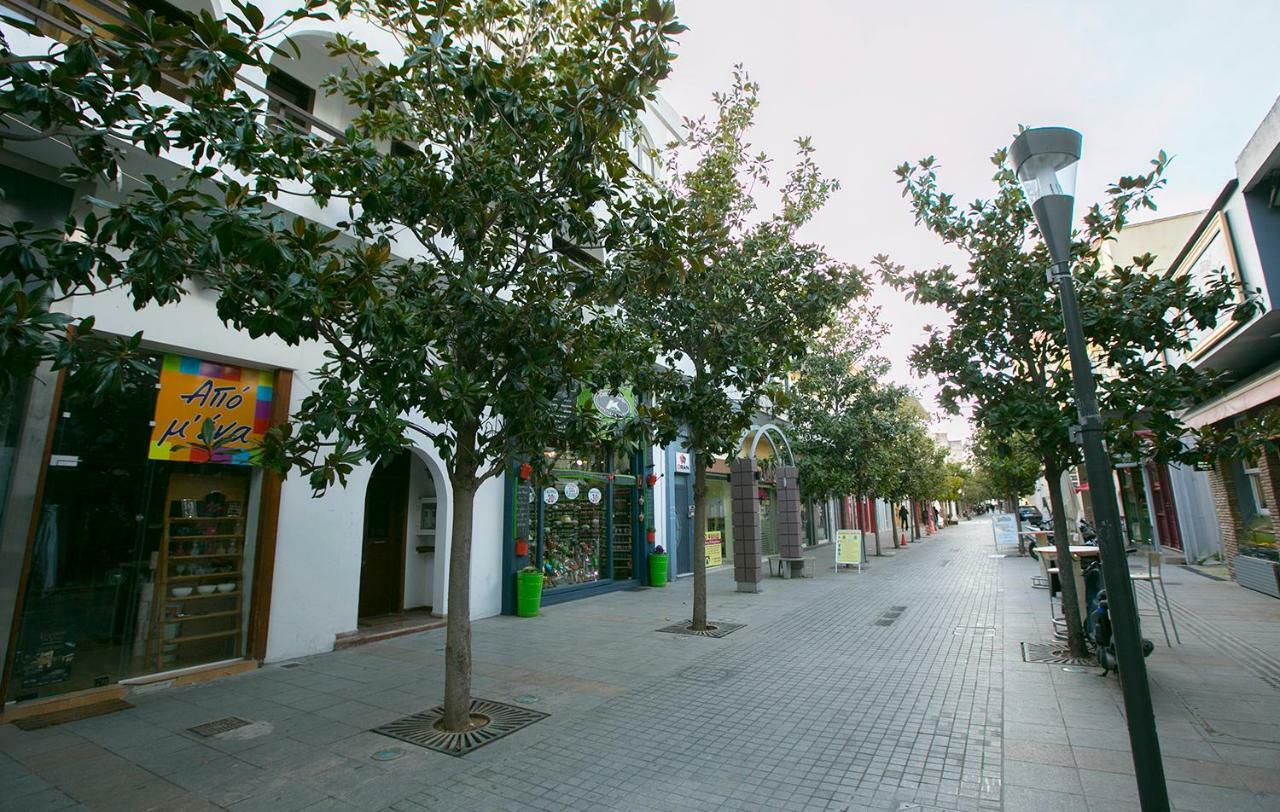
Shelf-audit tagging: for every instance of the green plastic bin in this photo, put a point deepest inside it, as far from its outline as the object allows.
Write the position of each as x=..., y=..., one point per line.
x=528, y=593
x=658, y=570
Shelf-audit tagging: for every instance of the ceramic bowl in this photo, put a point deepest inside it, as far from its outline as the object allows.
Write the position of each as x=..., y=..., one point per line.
x=227, y=587
x=207, y=589
x=181, y=591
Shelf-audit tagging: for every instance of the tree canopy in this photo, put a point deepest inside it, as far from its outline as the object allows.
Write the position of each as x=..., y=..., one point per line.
x=741, y=294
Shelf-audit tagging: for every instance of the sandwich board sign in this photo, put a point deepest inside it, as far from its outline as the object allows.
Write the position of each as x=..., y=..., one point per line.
x=849, y=548
x=1004, y=526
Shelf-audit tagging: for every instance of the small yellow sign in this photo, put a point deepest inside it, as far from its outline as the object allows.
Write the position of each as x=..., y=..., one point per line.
x=849, y=547
x=715, y=548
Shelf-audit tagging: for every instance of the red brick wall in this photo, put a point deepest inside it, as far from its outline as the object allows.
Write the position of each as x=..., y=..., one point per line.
x=1226, y=502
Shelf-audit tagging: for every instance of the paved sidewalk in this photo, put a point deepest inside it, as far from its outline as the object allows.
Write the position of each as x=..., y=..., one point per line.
x=1216, y=698
x=897, y=688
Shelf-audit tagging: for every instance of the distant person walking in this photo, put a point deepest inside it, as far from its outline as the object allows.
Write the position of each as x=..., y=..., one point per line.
x=902, y=517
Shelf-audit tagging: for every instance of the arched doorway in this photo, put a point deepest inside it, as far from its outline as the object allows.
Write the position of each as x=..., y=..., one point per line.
x=382, y=553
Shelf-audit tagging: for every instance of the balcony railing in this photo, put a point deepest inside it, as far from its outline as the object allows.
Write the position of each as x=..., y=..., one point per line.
x=99, y=13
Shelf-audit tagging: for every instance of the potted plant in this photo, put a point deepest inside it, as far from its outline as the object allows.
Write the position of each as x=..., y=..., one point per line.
x=528, y=592
x=658, y=567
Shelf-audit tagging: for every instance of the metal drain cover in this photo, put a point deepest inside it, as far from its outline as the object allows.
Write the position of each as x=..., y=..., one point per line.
x=715, y=628
x=420, y=728
x=219, y=726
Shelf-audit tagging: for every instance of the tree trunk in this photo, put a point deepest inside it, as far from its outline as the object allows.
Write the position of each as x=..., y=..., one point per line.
x=1066, y=567
x=1017, y=523
x=700, y=542
x=457, y=655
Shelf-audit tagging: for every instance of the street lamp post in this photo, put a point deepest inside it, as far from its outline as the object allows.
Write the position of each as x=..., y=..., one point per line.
x=1045, y=161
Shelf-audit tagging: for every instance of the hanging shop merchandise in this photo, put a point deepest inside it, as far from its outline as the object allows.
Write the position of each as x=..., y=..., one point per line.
x=581, y=527
x=145, y=540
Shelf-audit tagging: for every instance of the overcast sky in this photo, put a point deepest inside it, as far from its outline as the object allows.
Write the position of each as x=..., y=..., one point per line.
x=877, y=84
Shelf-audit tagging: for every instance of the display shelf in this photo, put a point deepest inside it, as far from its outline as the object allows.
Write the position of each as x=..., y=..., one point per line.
x=225, y=575
x=179, y=536
x=201, y=616
x=205, y=536
x=205, y=518
x=193, y=597
x=191, y=638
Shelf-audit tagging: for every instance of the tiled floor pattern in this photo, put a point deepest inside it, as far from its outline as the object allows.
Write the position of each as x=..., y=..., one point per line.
x=812, y=705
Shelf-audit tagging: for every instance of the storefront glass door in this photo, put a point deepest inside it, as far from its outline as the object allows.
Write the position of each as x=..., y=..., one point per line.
x=588, y=517
x=138, y=565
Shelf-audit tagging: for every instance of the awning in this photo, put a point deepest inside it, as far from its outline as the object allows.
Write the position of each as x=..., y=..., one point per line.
x=1248, y=395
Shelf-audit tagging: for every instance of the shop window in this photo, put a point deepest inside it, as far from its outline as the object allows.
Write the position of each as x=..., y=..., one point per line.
x=820, y=532
x=11, y=406
x=1253, y=474
x=720, y=519
x=140, y=564
x=768, y=498
x=589, y=512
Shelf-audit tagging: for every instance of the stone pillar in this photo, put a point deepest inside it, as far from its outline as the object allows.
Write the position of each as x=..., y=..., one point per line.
x=790, y=543
x=1226, y=502
x=746, y=525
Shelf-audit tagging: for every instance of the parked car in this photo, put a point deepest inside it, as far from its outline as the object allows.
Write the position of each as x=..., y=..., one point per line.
x=1030, y=514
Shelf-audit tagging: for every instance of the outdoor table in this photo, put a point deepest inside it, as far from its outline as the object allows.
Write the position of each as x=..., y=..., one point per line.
x=1076, y=550
x=1049, y=554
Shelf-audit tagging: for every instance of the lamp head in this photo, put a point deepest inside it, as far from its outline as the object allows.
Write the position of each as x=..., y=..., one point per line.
x=1045, y=160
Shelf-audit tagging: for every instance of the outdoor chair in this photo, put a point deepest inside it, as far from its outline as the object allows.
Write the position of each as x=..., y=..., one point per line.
x=1155, y=574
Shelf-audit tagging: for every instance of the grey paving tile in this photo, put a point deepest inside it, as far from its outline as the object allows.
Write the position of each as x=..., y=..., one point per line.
x=1019, y=798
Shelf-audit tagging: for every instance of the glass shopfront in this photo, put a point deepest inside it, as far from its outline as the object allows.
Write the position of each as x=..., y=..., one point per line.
x=768, y=496
x=719, y=519
x=587, y=519
x=145, y=536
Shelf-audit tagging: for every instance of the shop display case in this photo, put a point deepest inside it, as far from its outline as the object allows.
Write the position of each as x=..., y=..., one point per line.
x=198, y=595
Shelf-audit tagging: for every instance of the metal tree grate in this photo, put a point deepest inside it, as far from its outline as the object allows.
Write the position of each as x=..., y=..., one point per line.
x=219, y=726
x=420, y=728
x=715, y=628
x=1053, y=653
x=889, y=615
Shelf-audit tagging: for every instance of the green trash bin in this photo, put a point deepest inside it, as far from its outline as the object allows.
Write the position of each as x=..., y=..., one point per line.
x=528, y=593
x=658, y=569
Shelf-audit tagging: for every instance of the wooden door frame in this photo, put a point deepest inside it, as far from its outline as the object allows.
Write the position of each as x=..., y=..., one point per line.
x=264, y=565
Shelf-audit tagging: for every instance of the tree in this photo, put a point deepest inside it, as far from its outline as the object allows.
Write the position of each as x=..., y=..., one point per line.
x=455, y=302
x=1004, y=350
x=901, y=477
x=1006, y=467
x=746, y=292
x=838, y=407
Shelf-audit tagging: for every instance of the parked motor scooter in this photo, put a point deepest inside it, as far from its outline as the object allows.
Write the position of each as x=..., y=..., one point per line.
x=1097, y=624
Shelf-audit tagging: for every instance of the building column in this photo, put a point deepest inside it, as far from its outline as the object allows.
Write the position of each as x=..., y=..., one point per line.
x=1226, y=502
x=790, y=543
x=746, y=525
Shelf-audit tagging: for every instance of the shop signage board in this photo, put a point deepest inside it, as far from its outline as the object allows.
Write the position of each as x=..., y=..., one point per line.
x=683, y=465
x=849, y=548
x=1004, y=526
x=236, y=399
x=714, y=543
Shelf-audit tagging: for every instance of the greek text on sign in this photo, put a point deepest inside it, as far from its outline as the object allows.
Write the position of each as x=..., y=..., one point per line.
x=236, y=400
